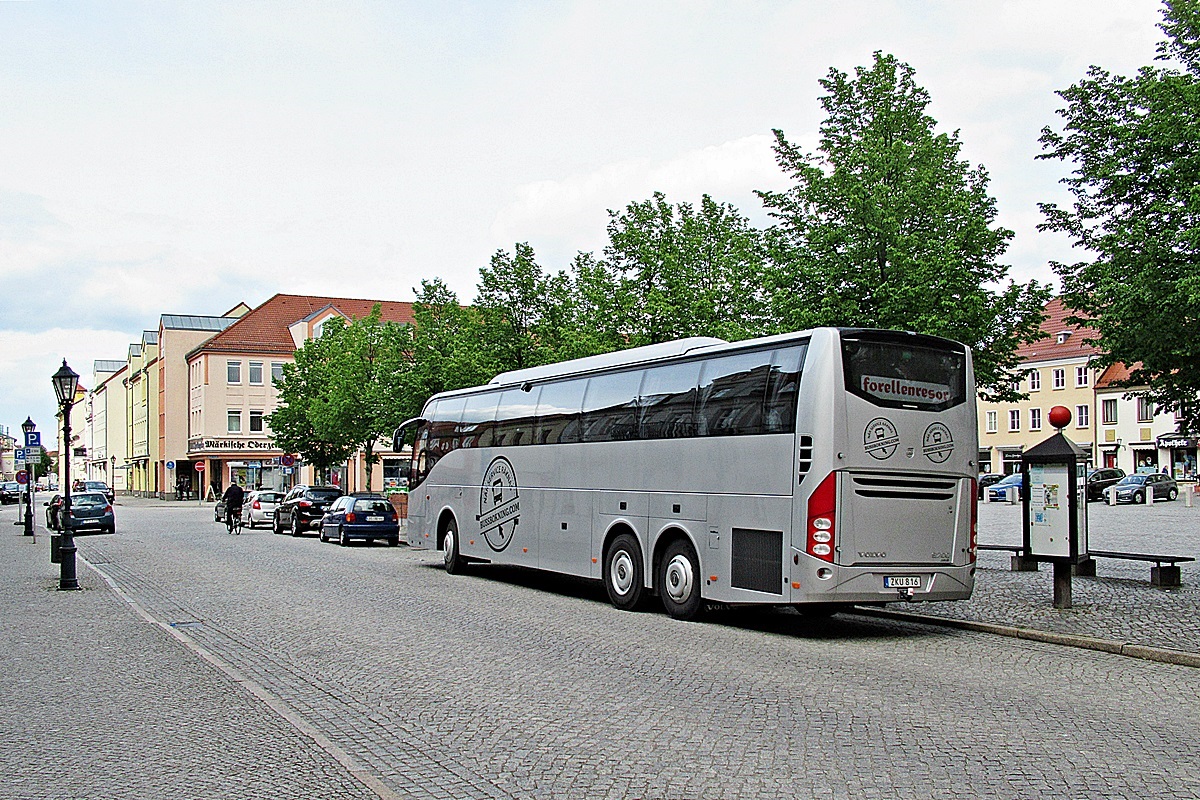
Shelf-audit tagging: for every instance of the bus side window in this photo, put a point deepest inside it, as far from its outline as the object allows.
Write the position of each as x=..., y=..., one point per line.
x=668, y=401
x=610, y=407
x=558, y=412
x=443, y=426
x=478, y=420
x=419, y=467
x=732, y=390
x=514, y=417
x=783, y=389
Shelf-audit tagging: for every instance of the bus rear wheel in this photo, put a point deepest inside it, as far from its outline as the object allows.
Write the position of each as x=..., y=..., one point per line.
x=623, y=573
x=453, y=559
x=679, y=580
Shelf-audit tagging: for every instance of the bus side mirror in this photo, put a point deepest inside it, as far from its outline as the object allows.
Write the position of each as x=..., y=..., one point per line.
x=399, y=437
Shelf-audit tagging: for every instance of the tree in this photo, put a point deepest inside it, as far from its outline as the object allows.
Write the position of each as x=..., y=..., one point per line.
x=888, y=227
x=1135, y=146
x=521, y=309
x=683, y=271
x=300, y=423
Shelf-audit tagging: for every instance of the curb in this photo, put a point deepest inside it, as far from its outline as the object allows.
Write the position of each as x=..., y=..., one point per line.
x=1161, y=654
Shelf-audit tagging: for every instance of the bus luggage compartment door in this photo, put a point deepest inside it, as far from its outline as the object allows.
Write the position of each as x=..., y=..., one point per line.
x=897, y=518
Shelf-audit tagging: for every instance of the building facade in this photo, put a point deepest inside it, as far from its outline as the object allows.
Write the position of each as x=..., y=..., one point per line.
x=231, y=394
x=1059, y=373
x=1135, y=435
x=141, y=403
x=101, y=461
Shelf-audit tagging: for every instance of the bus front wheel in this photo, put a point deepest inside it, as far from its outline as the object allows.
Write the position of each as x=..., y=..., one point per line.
x=679, y=580
x=454, y=561
x=623, y=573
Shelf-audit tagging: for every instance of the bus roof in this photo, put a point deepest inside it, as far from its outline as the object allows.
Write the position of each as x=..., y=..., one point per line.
x=618, y=358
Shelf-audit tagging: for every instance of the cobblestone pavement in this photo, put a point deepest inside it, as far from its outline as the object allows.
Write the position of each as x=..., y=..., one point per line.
x=503, y=683
x=1119, y=604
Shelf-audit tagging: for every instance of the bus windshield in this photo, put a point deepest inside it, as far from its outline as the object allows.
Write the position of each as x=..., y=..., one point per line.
x=903, y=371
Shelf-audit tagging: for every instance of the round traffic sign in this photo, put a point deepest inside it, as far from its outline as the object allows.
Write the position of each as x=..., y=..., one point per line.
x=170, y=465
x=22, y=477
x=199, y=466
x=287, y=461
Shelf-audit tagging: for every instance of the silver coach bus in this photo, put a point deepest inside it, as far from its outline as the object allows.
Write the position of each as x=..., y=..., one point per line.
x=818, y=468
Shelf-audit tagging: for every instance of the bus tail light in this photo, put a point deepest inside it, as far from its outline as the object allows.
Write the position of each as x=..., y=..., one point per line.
x=974, y=520
x=822, y=519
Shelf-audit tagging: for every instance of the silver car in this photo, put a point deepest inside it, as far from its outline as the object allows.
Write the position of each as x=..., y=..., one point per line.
x=259, y=508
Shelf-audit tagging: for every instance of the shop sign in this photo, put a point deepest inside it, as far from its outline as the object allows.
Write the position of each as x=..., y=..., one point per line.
x=208, y=445
x=1176, y=442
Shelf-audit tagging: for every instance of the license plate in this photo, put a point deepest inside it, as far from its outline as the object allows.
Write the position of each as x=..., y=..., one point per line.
x=374, y=519
x=902, y=582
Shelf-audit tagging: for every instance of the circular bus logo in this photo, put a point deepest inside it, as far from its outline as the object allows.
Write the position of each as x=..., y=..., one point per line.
x=499, y=504
x=880, y=438
x=937, y=443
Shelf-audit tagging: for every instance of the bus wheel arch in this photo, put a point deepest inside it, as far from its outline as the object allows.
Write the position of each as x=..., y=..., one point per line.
x=677, y=575
x=623, y=569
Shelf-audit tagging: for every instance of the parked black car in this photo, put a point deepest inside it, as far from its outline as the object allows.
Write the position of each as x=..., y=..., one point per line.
x=1133, y=488
x=101, y=487
x=10, y=492
x=986, y=480
x=303, y=507
x=1098, y=481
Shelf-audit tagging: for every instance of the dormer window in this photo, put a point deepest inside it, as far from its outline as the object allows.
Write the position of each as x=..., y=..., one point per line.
x=1063, y=336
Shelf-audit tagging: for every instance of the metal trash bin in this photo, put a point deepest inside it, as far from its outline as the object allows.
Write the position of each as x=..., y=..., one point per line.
x=55, y=551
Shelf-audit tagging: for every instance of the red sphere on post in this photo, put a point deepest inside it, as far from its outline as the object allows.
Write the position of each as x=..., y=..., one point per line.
x=1060, y=417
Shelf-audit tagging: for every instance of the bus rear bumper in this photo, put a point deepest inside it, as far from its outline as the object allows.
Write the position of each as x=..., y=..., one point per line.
x=910, y=584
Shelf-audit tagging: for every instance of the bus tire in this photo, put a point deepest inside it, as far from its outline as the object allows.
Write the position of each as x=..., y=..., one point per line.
x=623, y=573
x=679, y=580
x=453, y=559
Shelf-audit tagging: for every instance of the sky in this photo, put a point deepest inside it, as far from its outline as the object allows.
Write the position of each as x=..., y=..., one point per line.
x=181, y=158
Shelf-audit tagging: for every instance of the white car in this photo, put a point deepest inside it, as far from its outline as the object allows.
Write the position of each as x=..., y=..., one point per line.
x=259, y=508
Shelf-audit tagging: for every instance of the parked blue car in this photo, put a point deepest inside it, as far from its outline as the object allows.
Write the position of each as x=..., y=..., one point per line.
x=88, y=510
x=998, y=492
x=369, y=518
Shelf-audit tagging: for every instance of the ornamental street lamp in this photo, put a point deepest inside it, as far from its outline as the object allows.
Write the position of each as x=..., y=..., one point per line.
x=65, y=382
x=31, y=470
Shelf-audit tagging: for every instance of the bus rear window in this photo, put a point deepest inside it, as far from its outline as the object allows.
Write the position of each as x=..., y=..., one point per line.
x=904, y=371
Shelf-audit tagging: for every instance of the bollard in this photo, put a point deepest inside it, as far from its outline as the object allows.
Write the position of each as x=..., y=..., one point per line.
x=1188, y=494
x=1012, y=495
x=1110, y=495
x=1149, y=495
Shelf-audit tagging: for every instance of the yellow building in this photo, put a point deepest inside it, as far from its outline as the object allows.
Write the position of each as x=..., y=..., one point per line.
x=1060, y=373
x=141, y=404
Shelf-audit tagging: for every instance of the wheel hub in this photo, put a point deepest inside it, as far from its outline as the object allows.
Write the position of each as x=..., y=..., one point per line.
x=621, y=573
x=448, y=547
x=679, y=579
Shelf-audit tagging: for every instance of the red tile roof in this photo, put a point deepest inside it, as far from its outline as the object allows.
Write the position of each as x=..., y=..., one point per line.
x=1116, y=373
x=1048, y=347
x=265, y=329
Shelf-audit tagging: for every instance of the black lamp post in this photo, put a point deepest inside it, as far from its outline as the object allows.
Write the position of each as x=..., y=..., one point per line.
x=65, y=383
x=31, y=470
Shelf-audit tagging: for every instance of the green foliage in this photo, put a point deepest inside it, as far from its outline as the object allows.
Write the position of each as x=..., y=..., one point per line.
x=302, y=422
x=888, y=227
x=682, y=272
x=1134, y=144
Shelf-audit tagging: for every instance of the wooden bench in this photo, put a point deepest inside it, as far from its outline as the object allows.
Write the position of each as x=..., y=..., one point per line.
x=1165, y=577
x=1019, y=561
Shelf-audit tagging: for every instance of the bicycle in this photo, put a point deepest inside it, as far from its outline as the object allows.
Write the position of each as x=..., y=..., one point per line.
x=233, y=521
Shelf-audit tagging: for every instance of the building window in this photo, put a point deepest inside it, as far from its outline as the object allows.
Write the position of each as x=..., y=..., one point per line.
x=1035, y=381
x=991, y=422
x=1108, y=411
x=256, y=422
x=1081, y=376
x=1082, y=416
x=234, y=422
x=1016, y=386
x=233, y=371
x=1014, y=420
x=1035, y=419
x=276, y=372
x=1060, y=378
x=1145, y=410
x=256, y=373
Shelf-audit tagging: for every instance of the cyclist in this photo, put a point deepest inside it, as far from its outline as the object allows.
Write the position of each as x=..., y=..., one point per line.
x=234, y=497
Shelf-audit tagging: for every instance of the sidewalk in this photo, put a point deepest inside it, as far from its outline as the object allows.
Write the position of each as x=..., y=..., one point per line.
x=98, y=702
x=1118, y=606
